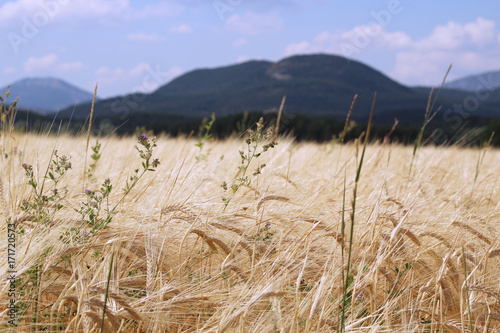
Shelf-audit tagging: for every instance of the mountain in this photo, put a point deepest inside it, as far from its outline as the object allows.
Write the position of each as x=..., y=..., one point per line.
x=316, y=85
x=312, y=84
x=46, y=94
x=484, y=81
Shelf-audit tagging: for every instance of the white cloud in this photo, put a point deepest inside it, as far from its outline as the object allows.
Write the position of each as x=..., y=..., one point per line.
x=107, y=76
x=69, y=66
x=181, y=29
x=242, y=58
x=173, y=72
x=471, y=46
x=454, y=35
x=140, y=36
x=98, y=10
x=140, y=69
x=146, y=78
x=299, y=48
x=425, y=69
x=254, y=23
x=160, y=9
x=240, y=42
x=50, y=62
x=9, y=70
x=31, y=9
x=352, y=42
x=34, y=64
x=429, y=67
x=395, y=40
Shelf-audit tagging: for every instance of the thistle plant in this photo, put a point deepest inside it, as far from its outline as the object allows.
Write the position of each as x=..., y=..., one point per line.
x=40, y=206
x=204, y=136
x=253, y=144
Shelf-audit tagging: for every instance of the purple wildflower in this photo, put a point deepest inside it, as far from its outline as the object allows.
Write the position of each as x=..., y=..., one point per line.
x=268, y=224
x=28, y=169
x=143, y=138
x=88, y=192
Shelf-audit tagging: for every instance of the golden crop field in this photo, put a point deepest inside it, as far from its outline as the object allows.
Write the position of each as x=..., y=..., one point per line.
x=160, y=251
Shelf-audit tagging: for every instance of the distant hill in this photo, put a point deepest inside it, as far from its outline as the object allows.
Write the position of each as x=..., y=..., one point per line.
x=315, y=85
x=484, y=81
x=46, y=94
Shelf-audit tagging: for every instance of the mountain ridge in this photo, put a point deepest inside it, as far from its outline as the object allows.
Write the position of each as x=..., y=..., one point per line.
x=46, y=94
x=478, y=82
x=316, y=85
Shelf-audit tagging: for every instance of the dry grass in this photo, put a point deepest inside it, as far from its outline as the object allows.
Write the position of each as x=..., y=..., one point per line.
x=182, y=264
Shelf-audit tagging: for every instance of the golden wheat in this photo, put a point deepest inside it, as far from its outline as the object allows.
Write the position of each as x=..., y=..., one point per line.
x=270, y=262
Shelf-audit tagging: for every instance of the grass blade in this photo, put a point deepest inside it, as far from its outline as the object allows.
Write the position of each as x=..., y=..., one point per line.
x=427, y=118
x=107, y=290
x=351, y=234
x=276, y=130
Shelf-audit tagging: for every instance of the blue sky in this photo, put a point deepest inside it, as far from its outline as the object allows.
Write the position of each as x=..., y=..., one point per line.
x=128, y=45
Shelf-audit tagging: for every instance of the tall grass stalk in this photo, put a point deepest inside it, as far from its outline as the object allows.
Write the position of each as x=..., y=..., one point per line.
x=466, y=285
x=480, y=159
x=341, y=316
x=427, y=118
x=348, y=118
x=344, y=132
x=88, y=135
x=351, y=232
x=107, y=290
x=276, y=130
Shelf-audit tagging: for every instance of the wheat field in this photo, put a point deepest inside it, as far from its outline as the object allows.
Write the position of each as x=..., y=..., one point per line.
x=425, y=252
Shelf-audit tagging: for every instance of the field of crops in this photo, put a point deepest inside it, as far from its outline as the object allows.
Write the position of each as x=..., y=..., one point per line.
x=172, y=236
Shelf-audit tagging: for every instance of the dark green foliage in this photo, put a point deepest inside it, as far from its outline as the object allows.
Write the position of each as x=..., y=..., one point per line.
x=316, y=85
x=303, y=128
